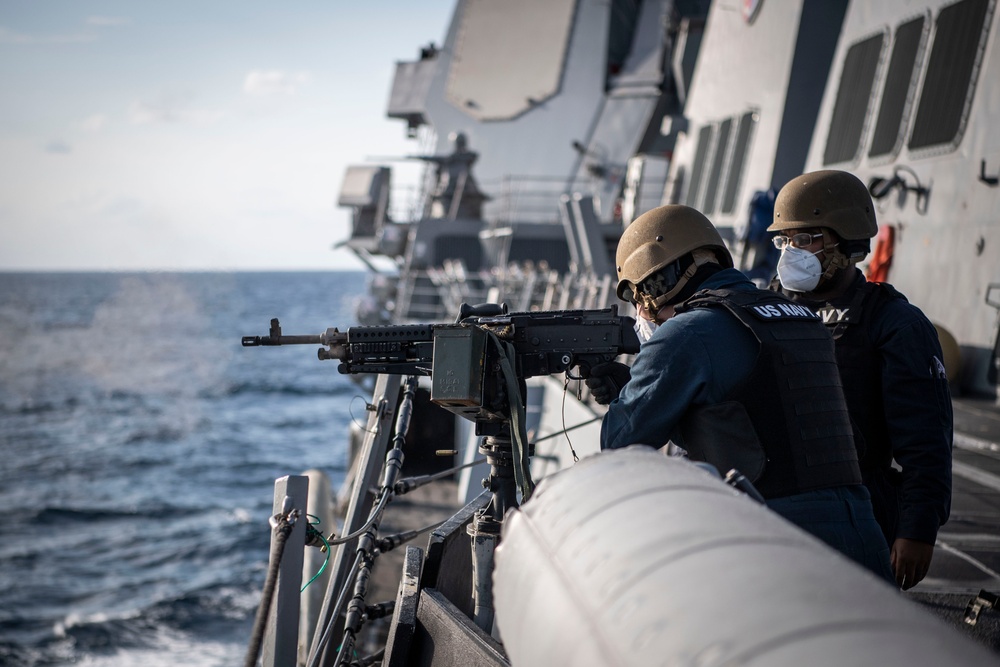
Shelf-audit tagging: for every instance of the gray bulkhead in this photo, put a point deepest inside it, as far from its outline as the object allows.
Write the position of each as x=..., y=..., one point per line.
x=752, y=104
x=928, y=118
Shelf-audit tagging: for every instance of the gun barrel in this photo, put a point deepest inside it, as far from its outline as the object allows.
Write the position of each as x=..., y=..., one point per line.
x=256, y=341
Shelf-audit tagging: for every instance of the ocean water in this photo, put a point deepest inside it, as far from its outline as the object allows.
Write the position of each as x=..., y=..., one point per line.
x=140, y=443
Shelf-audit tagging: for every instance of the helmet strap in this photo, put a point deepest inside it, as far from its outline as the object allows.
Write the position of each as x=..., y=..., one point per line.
x=833, y=258
x=654, y=305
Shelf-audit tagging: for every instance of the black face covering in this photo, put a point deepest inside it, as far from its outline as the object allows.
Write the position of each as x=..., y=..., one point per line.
x=665, y=279
x=704, y=272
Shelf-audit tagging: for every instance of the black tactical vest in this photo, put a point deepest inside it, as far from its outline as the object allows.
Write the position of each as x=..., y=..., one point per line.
x=786, y=426
x=861, y=368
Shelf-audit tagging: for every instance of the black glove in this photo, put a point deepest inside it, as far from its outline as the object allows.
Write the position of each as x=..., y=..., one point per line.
x=606, y=381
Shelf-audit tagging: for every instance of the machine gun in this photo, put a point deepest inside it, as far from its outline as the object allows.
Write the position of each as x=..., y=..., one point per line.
x=466, y=360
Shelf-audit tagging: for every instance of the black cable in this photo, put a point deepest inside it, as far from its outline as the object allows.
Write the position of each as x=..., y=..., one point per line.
x=356, y=609
x=407, y=484
x=321, y=646
x=390, y=474
x=390, y=542
x=373, y=659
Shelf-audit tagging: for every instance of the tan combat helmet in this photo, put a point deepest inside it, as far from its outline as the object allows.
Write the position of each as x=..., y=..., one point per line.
x=834, y=199
x=831, y=200
x=657, y=239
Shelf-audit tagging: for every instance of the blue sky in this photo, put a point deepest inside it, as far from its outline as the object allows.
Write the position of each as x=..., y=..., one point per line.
x=193, y=135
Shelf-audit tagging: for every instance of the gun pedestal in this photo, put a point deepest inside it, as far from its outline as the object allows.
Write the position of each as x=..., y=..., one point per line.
x=485, y=527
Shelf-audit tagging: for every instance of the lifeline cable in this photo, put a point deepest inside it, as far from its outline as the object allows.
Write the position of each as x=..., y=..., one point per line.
x=569, y=428
x=576, y=459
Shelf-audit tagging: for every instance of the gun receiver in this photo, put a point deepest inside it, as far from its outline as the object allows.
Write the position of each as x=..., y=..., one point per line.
x=465, y=359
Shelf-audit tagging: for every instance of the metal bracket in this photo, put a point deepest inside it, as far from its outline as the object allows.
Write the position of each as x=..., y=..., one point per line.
x=991, y=181
x=989, y=291
x=985, y=600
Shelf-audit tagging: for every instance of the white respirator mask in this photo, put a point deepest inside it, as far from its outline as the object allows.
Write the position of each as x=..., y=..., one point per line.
x=644, y=328
x=799, y=270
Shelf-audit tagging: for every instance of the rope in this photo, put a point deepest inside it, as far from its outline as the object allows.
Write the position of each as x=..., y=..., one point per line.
x=282, y=529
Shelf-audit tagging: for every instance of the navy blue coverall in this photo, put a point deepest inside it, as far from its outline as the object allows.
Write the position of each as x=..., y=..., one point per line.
x=697, y=358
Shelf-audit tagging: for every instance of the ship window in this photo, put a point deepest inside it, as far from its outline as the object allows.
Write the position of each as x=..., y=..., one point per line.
x=897, y=86
x=738, y=161
x=678, y=185
x=853, y=96
x=721, y=148
x=700, y=153
x=622, y=21
x=950, y=79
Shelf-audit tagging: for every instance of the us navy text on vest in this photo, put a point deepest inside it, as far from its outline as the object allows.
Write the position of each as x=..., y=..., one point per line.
x=783, y=311
x=833, y=315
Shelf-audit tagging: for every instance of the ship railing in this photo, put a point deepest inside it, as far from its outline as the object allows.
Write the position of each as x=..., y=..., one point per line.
x=455, y=286
x=406, y=203
x=528, y=198
x=435, y=294
x=529, y=286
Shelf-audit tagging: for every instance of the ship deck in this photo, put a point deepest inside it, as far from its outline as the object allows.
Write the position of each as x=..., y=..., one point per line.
x=967, y=557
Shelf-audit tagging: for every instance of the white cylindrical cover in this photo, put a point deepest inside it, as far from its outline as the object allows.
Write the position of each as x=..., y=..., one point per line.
x=631, y=558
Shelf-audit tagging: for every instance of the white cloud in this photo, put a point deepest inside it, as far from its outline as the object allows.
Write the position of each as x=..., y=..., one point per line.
x=108, y=20
x=170, y=111
x=273, y=82
x=94, y=123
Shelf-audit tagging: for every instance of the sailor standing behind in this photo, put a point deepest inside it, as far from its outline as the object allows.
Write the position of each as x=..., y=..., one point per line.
x=889, y=356
x=739, y=377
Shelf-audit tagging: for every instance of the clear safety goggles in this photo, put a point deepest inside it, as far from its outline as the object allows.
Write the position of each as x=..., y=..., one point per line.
x=801, y=240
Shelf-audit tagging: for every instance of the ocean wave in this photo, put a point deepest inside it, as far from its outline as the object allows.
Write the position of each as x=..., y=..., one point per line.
x=28, y=406
x=258, y=388
x=54, y=515
x=208, y=625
